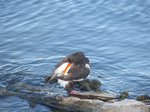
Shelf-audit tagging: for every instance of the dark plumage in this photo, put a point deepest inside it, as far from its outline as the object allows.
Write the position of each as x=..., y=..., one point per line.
x=74, y=67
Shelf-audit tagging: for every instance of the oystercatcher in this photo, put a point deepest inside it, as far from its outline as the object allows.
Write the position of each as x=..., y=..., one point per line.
x=72, y=68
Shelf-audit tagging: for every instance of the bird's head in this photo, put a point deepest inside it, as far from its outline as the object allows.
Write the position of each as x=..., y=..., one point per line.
x=76, y=57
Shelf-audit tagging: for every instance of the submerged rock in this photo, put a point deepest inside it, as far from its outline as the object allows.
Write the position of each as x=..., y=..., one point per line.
x=142, y=97
x=88, y=85
x=82, y=102
x=123, y=95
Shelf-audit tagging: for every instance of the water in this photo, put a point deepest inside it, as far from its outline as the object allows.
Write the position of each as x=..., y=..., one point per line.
x=114, y=35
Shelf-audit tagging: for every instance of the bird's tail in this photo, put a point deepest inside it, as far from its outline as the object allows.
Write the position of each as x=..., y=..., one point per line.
x=53, y=75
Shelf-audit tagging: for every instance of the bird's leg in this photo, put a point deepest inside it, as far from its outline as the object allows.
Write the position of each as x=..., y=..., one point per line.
x=69, y=88
x=74, y=92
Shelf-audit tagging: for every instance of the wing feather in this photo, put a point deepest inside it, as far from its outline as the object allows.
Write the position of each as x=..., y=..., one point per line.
x=53, y=74
x=77, y=72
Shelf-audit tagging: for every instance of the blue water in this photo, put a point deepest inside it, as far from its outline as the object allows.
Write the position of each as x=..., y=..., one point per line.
x=114, y=35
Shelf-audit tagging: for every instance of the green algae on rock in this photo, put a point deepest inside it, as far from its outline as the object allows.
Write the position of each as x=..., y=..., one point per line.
x=142, y=97
x=123, y=95
x=88, y=85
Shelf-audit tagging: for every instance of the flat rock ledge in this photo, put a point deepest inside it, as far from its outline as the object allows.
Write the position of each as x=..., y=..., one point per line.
x=126, y=105
x=92, y=105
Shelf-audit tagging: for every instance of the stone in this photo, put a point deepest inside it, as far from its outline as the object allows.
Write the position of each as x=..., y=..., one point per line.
x=79, y=105
x=123, y=95
x=96, y=95
x=124, y=106
x=75, y=104
x=88, y=85
x=142, y=97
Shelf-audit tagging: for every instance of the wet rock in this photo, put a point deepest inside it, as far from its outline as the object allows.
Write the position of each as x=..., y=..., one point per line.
x=88, y=85
x=66, y=104
x=123, y=95
x=142, y=97
x=21, y=87
x=124, y=106
x=71, y=103
x=96, y=85
x=32, y=104
x=96, y=95
x=80, y=105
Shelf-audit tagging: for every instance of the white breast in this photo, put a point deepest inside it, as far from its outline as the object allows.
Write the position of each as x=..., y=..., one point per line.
x=62, y=83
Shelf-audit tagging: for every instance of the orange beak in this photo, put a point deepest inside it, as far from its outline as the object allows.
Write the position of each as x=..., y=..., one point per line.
x=66, y=68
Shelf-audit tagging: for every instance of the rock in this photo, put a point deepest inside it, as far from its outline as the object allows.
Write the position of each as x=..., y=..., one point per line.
x=96, y=95
x=75, y=104
x=88, y=85
x=80, y=105
x=124, y=106
x=96, y=85
x=66, y=104
x=123, y=95
x=147, y=102
x=142, y=97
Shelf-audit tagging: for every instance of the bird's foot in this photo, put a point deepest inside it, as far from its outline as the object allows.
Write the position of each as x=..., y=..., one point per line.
x=74, y=92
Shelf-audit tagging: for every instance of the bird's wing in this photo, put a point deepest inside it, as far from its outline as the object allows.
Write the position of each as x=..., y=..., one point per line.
x=76, y=73
x=53, y=74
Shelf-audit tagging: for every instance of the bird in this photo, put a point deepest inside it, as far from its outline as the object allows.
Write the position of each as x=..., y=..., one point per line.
x=72, y=68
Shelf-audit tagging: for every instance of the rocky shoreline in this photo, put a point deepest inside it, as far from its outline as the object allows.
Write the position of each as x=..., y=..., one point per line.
x=97, y=101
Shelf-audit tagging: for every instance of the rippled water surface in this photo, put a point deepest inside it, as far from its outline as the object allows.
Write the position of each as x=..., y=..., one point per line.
x=114, y=35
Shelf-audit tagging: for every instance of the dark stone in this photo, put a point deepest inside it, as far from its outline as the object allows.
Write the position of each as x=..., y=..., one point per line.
x=88, y=85
x=32, y=104
x=123, y=95
x=142, y=97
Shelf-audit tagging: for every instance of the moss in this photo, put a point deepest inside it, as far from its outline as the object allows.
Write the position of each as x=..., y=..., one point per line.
x=88, y=85
x=85, y=87
x=96, y=84
x=142, y=97
x=123, y=95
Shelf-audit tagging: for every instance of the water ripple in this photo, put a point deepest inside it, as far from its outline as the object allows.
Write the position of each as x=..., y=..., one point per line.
x=35, y=35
